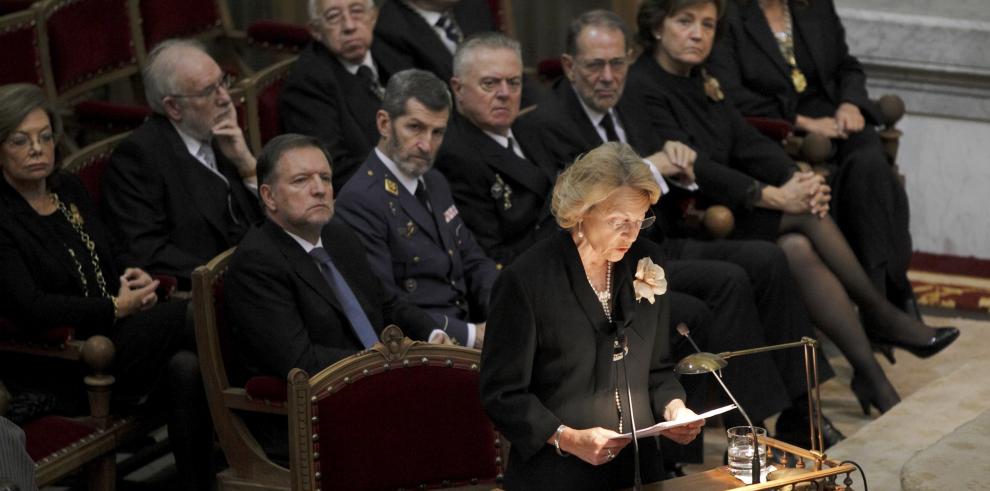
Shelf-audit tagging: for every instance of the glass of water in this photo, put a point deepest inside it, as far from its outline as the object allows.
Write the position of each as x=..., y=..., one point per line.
x=741, y=451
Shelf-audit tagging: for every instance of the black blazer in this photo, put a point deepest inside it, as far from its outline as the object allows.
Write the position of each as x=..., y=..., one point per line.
x=171, y=213
x=547, y=358
x=751, y=70
x=321, y=98
x=283, y=313
x=407, y=32
x=39, y=283
x=505, y=200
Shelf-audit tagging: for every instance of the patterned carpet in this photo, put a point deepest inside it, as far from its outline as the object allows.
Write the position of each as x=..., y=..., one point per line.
x=951, y=291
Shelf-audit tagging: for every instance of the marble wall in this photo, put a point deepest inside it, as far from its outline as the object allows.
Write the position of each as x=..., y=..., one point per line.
x=935, y=54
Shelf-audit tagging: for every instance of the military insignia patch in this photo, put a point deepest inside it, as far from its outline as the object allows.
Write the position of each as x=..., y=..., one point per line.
x=392, y=187
x=450, y=214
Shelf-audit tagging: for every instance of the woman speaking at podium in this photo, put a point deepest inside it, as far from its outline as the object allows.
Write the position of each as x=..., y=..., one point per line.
x=576, y=320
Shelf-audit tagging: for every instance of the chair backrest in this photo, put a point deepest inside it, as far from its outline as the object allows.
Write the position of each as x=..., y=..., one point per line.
x=413, y=406
x=214, y=346
x=85, y=44
x=154, y=21
x=261, y=93
x=90, y=163
x=21, y=52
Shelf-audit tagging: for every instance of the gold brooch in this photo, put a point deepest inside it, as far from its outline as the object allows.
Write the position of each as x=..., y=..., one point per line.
x=712, y=88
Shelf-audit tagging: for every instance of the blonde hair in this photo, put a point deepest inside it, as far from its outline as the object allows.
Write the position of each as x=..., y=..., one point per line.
x=596, y=175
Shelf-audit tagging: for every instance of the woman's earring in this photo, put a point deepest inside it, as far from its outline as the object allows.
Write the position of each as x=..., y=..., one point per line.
x=580, y=233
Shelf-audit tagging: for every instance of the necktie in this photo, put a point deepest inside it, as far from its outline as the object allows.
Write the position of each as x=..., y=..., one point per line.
x=450, y=28
x=352, y=309
x=423, y=195
x=368, y=77
x=609, y=126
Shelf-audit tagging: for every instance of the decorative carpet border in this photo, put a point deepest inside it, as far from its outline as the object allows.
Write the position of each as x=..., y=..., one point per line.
x=951, y=291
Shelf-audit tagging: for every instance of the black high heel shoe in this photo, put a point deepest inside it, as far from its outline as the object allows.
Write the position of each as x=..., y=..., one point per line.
x=944, y=336
x=865, y=396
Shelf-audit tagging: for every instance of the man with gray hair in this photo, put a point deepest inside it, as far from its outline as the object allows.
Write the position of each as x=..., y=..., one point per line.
x=178, y=188
x=404, y=213
x=335, y=88
x=500, y=172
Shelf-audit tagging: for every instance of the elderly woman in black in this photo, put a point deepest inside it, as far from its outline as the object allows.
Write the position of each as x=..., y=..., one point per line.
x=566, y=316
x=788, y=59
x=58, y=268
x=772, y=200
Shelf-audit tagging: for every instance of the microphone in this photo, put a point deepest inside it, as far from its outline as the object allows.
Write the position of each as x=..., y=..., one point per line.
x=620, y=350
x=682, y=329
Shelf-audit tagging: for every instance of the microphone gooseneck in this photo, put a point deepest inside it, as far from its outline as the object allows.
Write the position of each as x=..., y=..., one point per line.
x=621, y=350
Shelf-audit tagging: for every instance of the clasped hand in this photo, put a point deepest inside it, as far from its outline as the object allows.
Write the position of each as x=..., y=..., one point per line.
x=137, y=292
x=806, y=192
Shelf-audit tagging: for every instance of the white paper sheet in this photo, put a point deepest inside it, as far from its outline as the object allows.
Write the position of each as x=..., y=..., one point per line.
x=666, y=425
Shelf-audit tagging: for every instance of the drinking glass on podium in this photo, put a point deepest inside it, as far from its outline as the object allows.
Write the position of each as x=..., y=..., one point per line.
x=741, y=443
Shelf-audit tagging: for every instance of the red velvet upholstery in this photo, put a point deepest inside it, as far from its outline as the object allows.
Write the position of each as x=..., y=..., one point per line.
x=268, y=111
x=165, y=19
x=92, y=177
x=122, y=116
x=395, y=415
x=21, y=58
x=549, y=69
x=773, y=128
x=279, y=34
x=495, y=6
x=87, y=37
x=11, y=6
x=55, y=336
x=267, y=388
x=49, y=434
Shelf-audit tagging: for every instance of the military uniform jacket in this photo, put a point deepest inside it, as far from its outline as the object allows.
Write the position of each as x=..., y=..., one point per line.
x=429, y=259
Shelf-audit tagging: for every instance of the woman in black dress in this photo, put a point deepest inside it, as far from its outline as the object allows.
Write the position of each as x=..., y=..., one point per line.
x=58, y=269
x=788, y=59
x=552, y=376
x=772, y=200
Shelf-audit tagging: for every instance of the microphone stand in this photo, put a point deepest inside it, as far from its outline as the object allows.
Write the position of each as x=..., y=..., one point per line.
x=682, y=329
x=621, y=348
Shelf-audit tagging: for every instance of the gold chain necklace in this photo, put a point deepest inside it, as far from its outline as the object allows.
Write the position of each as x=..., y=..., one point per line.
x=76, y=222
x=785, y=41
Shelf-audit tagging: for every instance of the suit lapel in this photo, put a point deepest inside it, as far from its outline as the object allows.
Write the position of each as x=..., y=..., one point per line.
x=758, y=29
x=506, y=162
x=429, y=41
x=579, y=284
x=809, y=27
x=577, y=114
x=433, y=182
x=360, y=101
x=202, y=185
x=302, y=264
x=408, y=202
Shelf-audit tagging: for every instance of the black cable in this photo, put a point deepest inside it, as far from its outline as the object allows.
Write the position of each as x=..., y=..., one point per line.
x=861, y=473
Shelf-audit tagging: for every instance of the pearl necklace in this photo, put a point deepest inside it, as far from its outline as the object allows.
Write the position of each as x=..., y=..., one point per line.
x=604, y=296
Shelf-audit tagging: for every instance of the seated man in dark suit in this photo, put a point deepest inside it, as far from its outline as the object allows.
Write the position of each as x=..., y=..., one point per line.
x=335, y=88
x=178, y=189
x=404, y=213
x=499, y=171
x=747, y=285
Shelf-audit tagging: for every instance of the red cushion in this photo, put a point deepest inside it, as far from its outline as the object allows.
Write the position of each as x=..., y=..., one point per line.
x=267, y=388
x=550, y=69
x=165, y=19
x=49, y=434
x=55, y=336
x=127, y=116
x=279, y=33
x=427, y=418
x=92, y=177
x=21, y=58
x=268, y=111
x=11, y=6
x=87, y=37
x=773, y=128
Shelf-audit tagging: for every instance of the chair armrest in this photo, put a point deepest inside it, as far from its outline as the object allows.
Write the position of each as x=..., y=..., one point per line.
x=773, y=128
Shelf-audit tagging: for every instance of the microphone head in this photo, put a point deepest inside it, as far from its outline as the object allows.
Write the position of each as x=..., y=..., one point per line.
x=682, y=329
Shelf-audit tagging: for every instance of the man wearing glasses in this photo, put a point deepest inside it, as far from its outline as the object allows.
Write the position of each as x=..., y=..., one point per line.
x=734, y=293
x=336, y=86
x=499, y=171
x=182, y=187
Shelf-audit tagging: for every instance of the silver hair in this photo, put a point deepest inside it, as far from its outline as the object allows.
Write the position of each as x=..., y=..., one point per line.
x=485, y=40
x=313, y=7
x=160, y=76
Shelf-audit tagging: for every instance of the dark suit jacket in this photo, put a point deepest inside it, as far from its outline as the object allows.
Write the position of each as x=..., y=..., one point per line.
x=547, y=358
x=40, y=286
x=751, y=70
x=321, y=98
x=429, y=259
x=283, y=312
x=505, y=200
x=171, y=213
x=407, y=32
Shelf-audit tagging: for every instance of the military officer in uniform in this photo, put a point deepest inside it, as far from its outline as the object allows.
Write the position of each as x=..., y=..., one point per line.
x=404, y=213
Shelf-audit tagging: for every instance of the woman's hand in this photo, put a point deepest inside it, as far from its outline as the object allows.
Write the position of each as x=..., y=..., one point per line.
x=820, y=198
x=827, y=127
x=682, y=434
x=849, y=119
x=796, y=196
x=595, y=446
x=137, y=292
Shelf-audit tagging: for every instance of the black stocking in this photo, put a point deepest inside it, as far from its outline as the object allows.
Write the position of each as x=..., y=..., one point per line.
x=832, y=311
x=882, y=318
x=190, y=430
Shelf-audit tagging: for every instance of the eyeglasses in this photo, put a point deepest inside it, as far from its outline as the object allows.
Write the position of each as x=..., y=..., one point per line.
x=490, y=84
x=226, y=80
x=619, y=225
x=335, y=17
x=596, y=66
x=22, y=141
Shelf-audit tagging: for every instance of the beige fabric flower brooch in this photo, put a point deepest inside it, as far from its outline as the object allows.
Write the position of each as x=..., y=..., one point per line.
x=650, y=280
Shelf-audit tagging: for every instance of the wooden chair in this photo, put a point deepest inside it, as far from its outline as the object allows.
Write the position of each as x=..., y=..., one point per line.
x=411, y=407
x=261, y=93
x=22, y=56
x=249, y=467
x=90, y=163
